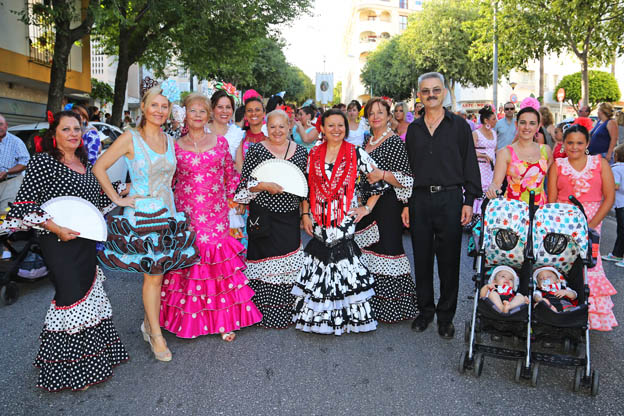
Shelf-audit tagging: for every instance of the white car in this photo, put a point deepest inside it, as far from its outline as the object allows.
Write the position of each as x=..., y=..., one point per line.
x=108, y=134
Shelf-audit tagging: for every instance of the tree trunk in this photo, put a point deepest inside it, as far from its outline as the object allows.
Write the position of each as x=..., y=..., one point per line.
x=452, y=92
x=613, y=65
x=585, y=82
x=58, y=73
x=121, y=78
x=541, y=77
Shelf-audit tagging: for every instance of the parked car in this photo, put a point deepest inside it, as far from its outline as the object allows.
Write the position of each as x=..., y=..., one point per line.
x=108, y=134
x=564, y=124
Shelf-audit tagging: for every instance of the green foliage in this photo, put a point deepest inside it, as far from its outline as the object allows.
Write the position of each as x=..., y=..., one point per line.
x=603, y=87
x=388, y=72
x=101, y=91
x=337, y=93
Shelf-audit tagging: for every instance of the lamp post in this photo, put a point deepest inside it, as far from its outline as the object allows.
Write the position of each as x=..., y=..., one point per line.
x=513, y=84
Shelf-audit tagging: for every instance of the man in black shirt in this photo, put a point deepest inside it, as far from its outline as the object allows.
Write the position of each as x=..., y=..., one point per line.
x=443, y=161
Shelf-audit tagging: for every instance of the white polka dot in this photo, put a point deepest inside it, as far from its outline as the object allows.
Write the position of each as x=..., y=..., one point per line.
x=222, y=329
x=166, y=323
x=248, y=308
x=237, y=323
x=166, y=281
x=230, y=286
x=222, y=300
x=194, y=298
x=194, y=315
x=205, y=327
x=198, y=287
x=162, y=294
x=182, y=301
x=208, y=300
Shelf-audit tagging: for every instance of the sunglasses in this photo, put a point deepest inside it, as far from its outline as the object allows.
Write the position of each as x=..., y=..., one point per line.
x=435, y=91
x=509, y=109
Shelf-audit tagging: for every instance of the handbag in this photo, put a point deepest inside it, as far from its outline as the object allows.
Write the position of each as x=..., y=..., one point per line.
x=258, y=222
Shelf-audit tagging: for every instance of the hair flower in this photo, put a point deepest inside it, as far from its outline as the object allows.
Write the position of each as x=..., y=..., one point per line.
x=38, y=147
x=530, y=102
x=50, y=117
x=229, y=90
x=170, y=90
x=68, y=107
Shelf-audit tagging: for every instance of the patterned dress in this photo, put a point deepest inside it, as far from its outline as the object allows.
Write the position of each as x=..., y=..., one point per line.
x=153, y=237
x=524, y=177
x=79, y=343
x=586, y=186
x=273, y=260
x=213, y=296
x=487, y=146
x=334, y=287
x=380, y=236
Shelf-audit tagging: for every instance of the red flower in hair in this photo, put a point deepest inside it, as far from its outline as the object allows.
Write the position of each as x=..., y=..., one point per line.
x=50, y=117
x=287, y=109
x=38, y=140
x=585, y=122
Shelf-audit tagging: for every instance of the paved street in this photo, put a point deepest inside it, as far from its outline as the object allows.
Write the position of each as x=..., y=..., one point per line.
x=270, y=372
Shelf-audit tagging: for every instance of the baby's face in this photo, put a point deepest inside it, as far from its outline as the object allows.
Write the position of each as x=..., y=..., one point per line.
x=547, y=277
x=504, y=278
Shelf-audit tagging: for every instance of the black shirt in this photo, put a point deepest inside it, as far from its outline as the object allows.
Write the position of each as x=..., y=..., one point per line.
x=447, y=159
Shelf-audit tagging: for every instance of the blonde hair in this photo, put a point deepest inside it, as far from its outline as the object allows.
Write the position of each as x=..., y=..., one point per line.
x=196, y=97
x=403, y=106
x=148, y=97
x=607, y=109
x=547, y=116
x=278, y=113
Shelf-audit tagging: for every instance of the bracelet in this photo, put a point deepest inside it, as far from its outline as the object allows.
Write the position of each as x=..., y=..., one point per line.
x=368, y=210
x=305, y=213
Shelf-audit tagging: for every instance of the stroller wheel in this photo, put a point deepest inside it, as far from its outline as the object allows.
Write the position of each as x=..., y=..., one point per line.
x=578, y=377
x=10, y=293
x=534, y=374
x=462, y=362
x=519, y=365
x=595, y=382
x=567, y=346
x=467, y=331
x=478, y=364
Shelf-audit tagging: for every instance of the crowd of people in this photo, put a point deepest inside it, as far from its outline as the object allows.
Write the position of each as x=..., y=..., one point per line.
x=220, y=250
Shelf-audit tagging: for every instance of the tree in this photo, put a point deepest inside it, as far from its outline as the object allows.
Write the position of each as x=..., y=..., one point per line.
x=210, y=38
x=445, y=46
x=592, y=30
x=603, y=87
x=337, y=93
x=389, y=72
x=61, y=15
x=101, y=91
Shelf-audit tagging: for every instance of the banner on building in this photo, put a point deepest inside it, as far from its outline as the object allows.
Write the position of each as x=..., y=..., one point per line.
x=324, y=87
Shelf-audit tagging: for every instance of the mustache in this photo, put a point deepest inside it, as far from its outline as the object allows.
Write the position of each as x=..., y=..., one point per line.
x=433, y=97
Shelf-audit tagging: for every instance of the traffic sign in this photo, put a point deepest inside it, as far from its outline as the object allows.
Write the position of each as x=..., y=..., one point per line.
x=560, y=95
x=513, y=98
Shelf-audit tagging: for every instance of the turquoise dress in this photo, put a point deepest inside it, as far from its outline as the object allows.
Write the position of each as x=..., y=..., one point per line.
x=152, y=238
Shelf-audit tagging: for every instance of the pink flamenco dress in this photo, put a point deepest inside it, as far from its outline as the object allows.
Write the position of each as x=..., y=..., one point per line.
x=524, y=177
x=213, y=296
x=586, y=186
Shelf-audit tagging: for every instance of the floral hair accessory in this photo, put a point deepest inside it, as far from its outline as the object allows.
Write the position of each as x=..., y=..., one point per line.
x=50, y=117
x=585, y=122
x=68, y=107
x=530, y=102
x=229, y=90
x=170, y=90
x=178, y=113
x=250, y=93
x=38, y=147
x=146, y=84
x=287, y=109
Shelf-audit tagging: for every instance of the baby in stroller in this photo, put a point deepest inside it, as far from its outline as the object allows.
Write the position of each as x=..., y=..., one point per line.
x=501, y=289
x=551, y=289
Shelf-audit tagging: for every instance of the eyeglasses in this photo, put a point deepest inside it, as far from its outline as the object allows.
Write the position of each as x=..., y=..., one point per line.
x=435, y=91
x=509, y=108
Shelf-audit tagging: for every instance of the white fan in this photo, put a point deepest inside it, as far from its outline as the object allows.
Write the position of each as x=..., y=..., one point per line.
x=79, y=215
x=284, y=173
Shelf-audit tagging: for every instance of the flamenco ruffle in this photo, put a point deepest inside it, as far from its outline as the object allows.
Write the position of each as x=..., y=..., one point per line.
x=211, y=297
x=151, y=250
x=601, y=317
x=368, y=236
x=332, y=297
x=79, y=343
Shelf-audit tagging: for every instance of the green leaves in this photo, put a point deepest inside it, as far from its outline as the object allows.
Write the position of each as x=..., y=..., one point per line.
x=101, y=91
x=603, y=87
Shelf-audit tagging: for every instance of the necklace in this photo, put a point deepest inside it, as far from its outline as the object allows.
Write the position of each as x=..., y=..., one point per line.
x=374, y=142
x=432, y=126
x=195, y=141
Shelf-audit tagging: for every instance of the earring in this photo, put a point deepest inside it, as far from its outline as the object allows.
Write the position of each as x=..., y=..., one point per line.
x=81, y=142
x=54, y=142
x=587, y=151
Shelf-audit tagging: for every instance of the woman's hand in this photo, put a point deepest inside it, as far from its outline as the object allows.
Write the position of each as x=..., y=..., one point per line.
x=375, y=176
x=271, y=187
x=241, y=208
x=127, y=190
x=66, y=234
x=359, y=213
x=127, y=201
x=405, y=217
x=307, y=224
x=493, y=191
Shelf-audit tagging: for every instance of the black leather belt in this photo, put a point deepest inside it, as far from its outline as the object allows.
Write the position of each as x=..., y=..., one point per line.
x=434, y=189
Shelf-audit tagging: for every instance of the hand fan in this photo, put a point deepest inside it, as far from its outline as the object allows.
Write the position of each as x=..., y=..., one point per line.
x=284, y=173
x=79, y=215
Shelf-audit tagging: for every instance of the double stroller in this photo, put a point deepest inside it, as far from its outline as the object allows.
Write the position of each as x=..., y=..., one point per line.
x=525, y=237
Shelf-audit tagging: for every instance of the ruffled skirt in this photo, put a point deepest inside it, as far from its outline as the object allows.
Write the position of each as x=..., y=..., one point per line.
x=333, y=290
x=153, y=244
x=212, y=297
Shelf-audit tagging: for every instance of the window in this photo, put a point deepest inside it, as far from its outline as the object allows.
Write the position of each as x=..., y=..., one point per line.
x=402, y=23
x=40, y=34
x=403, y=4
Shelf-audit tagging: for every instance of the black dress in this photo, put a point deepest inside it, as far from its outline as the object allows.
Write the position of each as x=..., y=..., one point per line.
x=79, y=343
x=380, y=235
x=275, y=259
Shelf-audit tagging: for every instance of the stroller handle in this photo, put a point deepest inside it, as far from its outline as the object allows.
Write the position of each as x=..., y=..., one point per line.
x=578, y=204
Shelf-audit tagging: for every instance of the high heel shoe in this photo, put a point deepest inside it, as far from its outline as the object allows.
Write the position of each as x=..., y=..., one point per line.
x=165, y=356
x=146, y=334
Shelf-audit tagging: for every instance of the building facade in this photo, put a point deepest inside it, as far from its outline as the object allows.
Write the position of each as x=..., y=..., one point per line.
x=370, y=21
x=25, y=63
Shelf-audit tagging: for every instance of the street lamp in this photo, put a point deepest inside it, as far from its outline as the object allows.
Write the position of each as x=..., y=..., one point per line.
x=513, y=85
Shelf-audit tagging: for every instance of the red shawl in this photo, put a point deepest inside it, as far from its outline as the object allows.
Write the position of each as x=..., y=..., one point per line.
x=340, y=187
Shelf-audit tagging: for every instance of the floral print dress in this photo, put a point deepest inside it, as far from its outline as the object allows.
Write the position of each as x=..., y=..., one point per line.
x=524, y=177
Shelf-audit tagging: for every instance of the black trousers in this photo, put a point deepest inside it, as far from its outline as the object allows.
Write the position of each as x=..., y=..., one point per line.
x=435, y=226
x=618, y=248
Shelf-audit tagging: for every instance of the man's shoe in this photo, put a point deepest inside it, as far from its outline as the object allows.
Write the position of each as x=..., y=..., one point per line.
x=446, y=330
x=420, y=323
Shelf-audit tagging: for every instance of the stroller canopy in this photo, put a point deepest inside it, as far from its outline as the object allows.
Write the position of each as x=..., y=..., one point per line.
x=559, y=236
x=506, y=225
